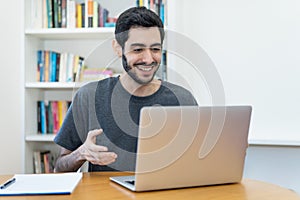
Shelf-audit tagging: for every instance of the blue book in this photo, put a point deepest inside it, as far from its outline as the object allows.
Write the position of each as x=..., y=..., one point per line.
x=53, y=66
x=43, y=117
x=41, y=65
x=162, y=12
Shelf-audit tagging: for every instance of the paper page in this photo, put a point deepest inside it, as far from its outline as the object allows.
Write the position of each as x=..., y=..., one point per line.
x=60, y=183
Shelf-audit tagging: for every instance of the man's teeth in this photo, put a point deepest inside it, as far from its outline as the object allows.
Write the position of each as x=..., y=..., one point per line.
x=145, y=68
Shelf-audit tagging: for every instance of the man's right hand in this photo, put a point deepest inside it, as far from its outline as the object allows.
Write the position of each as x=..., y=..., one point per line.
x=96, y=154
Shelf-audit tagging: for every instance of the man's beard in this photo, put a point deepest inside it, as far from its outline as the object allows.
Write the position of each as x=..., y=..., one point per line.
x=130, y=72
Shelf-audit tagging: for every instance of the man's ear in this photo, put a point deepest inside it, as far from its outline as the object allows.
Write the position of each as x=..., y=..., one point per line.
x=117, y=48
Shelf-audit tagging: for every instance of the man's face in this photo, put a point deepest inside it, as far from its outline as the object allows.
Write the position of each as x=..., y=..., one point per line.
x=143, y=51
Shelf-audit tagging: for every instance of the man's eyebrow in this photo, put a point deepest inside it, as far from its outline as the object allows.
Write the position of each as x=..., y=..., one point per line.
x=143, y=45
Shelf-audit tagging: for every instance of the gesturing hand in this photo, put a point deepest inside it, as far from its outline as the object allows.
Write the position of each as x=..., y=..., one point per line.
x=96, y=154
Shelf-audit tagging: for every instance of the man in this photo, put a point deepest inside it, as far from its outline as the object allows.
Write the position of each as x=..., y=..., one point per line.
x=101, y=125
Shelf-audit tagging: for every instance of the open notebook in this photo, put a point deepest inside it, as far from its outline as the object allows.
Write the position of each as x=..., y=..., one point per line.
x=32, y=184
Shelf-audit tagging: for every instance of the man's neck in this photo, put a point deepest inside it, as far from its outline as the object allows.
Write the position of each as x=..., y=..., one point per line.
x=137, y=89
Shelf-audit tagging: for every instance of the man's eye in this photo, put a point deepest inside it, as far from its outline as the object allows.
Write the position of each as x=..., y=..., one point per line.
x=156, y=49
x=137, y=50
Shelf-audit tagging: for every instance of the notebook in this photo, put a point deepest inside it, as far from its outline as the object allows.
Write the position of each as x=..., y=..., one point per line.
x=188, y=146
x=42, y=184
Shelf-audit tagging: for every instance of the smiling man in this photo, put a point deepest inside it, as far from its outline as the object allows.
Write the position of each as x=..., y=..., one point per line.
x=101, y=125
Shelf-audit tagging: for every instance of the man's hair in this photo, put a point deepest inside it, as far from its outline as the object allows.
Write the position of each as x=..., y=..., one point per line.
x=136, y=17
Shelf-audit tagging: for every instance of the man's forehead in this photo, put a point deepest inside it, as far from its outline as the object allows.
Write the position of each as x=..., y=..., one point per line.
x=144, y=35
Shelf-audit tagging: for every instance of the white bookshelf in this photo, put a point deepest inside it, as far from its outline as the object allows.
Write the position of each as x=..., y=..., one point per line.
x=78, y=41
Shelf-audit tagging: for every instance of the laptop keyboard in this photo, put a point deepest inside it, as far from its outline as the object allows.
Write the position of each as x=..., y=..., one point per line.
x=130, y=182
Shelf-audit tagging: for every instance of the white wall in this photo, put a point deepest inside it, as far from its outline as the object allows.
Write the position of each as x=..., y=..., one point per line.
x=255, y=47
x=11, y=137
x=276, y=164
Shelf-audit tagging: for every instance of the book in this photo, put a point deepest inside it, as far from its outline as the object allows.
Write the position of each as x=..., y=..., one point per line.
x=95, y=14
x=49, y=118
x=63, y=13
x=43, y=117
x=59, y=13
x=40, y=65
x=37, y=162
x=49, y=13
x=50, y=115
x=46, y=64
x=45, y=14
x=42, y=184
x=90, y=9
x=94, y=74
x=78, y=15
x=55, y=13
x=71, y=14
x=37, y=14
x=43, y=162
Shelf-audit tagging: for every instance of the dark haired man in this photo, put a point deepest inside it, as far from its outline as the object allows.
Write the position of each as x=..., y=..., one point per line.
x=101, y=125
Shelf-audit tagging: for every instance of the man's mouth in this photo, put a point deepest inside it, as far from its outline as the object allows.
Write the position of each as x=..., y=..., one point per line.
x=145, y=67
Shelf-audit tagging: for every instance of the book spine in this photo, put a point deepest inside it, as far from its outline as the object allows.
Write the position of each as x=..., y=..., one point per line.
x=78, y=15
x=53, y=66
x=95, y=14
x=83, y=15
x=90, y=9
x=49, y=13
x=49, y=117
x=71, y=14
x=39, y=128
x=57, y=67
x=37, y=162
x=59, y=13
x=37, y=14
x=45, y=14
x=47, y=62
x=43, y=117
x=55, y=13
x=63, y=13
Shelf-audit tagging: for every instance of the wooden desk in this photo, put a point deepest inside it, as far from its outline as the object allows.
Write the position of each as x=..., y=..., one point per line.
x=97, y=185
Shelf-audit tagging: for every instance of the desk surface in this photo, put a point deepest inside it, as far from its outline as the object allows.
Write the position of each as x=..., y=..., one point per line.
x=97, y=185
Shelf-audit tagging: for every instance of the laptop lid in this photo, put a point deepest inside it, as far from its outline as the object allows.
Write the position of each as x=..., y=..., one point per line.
x=186, y=146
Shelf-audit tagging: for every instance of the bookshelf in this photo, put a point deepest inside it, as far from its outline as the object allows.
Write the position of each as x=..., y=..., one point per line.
x=79, y=41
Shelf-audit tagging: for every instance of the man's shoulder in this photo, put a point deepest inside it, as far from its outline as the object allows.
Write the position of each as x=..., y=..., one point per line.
x=174, y=87
x=92, y=86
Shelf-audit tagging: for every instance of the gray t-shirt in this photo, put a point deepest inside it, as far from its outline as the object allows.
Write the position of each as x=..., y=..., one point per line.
x=106, y=104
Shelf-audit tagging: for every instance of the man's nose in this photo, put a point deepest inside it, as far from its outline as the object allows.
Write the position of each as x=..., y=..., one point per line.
x=147, y=56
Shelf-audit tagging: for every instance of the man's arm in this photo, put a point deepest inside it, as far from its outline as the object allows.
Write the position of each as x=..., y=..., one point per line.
x=88, y=151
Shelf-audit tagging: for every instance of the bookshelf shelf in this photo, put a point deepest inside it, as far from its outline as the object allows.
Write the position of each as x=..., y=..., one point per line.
x=40, y=138
x=53, y=85
x=75, y=33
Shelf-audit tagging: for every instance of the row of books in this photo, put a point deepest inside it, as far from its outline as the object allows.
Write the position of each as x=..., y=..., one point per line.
x=58, y=67
x=67, y=67
x=43, y=162
x=69, y=14
x=158, y=6
x=50, y=115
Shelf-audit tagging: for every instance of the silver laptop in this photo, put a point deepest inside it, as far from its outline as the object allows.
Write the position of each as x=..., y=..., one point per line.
x=188, y=146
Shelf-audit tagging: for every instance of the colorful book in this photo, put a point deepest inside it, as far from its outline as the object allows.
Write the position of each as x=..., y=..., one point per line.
x=78, y=15
x=49, y=13
x=90, y=9
x=43, y=117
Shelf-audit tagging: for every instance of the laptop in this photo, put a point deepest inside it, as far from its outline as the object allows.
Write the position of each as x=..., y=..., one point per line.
x=189, y=146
